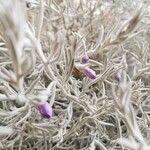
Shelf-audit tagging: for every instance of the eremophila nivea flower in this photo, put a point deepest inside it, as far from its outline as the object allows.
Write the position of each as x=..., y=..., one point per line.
x=89, y=73
x=85, y=59
x=45, y=109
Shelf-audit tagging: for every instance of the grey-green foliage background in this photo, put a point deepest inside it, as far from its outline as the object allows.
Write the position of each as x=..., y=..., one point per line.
x=41, y=45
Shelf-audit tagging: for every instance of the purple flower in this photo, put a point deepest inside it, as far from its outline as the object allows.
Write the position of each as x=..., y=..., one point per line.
x=85, y=59
x=89, y=73
x=45, y=109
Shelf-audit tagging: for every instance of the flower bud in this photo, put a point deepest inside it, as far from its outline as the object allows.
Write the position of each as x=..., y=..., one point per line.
x=45, y=109
x=85, y=59
x=89, y=73
x=20, y=100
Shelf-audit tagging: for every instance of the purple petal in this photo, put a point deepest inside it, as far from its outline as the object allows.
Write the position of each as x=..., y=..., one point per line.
x=89, y=73
x=45, y=110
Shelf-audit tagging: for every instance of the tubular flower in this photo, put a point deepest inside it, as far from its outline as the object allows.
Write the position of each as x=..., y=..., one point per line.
x=45, y=109
x=89, y=73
